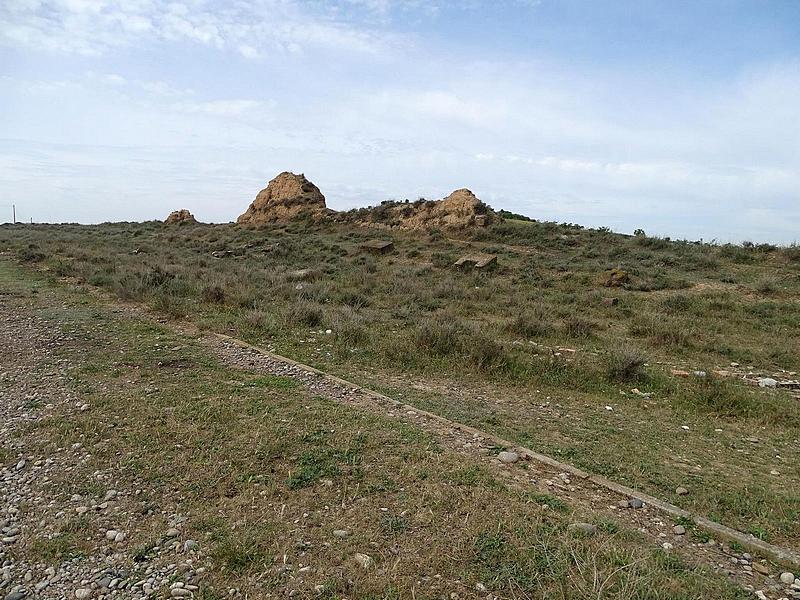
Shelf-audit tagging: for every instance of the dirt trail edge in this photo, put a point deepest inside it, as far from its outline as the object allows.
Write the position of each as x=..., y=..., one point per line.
x=351, y=393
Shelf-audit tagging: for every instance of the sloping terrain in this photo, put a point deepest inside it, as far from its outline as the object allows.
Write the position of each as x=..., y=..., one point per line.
x=579, y=344
x=137, y=464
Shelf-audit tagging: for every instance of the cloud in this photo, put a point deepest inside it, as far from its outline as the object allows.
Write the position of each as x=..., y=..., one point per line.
x=220, y=108
x=94, y=27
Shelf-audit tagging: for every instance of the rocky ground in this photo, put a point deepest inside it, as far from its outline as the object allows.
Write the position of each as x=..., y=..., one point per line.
x=36, y=511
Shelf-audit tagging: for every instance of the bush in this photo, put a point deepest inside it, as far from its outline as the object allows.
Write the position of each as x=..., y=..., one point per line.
x=213, y=294
x=625, y=364
x=486, y=353
x=440, y=336
x=530, y=324
x=578, y=327
x=304, y=313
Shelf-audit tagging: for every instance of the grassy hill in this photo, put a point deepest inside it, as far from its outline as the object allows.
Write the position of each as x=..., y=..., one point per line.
x=568, y=345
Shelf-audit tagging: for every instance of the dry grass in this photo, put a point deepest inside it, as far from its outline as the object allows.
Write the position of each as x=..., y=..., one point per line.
x=410, y=315
x=266, y=472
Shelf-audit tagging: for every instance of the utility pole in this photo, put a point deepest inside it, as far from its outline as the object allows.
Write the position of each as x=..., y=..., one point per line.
x=14, y=214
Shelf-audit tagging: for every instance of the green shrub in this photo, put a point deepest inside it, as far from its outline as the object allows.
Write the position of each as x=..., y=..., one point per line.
x=625, y=364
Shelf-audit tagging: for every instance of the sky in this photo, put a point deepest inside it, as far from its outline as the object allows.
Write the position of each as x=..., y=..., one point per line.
x=678, y=117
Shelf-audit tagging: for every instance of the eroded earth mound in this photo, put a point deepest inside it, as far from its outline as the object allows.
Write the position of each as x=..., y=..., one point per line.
x=286, y=197
x=176, y=217
x=460, y=210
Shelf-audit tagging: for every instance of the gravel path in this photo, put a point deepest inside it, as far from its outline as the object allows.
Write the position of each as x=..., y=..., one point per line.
x=35, y=509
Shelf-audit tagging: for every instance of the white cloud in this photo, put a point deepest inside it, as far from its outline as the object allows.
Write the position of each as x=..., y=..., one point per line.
x=93, y=27
x=220, y=108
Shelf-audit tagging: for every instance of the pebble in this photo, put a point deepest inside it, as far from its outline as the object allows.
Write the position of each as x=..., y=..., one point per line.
x=635, y=503
x=340, y=533
x=508, y=457
x=682, y=491
x=767, y=382
x=679, y=530
x=15, y=596
x=364, y=560
x=83, y=593
x=787, y=578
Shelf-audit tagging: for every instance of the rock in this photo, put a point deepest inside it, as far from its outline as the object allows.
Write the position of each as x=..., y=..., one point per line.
x=680, y=373
x=111, y=534
x=767, y=382
x=479, y=587
x=179, y=217
x=190, y=545
x=679, y=530
x=616, y=277
x=15, y=595
x=340, y=533
x=787, y=578
x=180, y=593
x=286, y=197
x=635, y=503
x=377, y=246
x=20, y=465
x=476, y=261
x=508, y=457
x=172, y=533
x=682, y=491
x=364, y=560
x=83, y=593
x=584, y=529
x=761, y=568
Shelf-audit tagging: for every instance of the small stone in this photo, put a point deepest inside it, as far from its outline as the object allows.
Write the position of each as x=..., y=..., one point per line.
x=682, y=491
x=679, y=530
x=172, y=533
x=15, y=595
x=767, y=382
x=180, y=593
x=83, y=593
x=111, y=534
x=761, y=568
x=340, y=533
x=479, y=587
x=667, y=546
x=364, y=560
x=20, y=465
x=82, y=510
x=584, y=529
x=190, y=545
x=635, y=503
x=508, y=457
x=787, y=578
